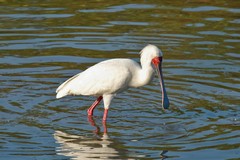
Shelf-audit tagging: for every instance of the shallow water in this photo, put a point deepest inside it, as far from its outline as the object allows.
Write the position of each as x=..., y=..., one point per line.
x=43, y=43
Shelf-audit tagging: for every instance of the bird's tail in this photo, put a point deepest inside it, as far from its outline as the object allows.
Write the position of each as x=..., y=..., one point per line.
x=61, y=94
x=63, y=89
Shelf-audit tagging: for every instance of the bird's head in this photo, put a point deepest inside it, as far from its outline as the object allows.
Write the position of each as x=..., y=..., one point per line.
x=149, y=52
x=152, y=54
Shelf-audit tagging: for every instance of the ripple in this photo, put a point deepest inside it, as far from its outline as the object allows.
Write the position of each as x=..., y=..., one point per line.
x=237, y=21
x=43, y=44
x=202, y=9
x=234, y=55
x=37, y=9
x=119, y=8
x=44, y=59
x=181, y=35
x=214, y=19
x=205, y=42
x=219, y=33
x=37, y=16
x=232, y=40
x=195, y=25
x=129, y=23
x=211, y=8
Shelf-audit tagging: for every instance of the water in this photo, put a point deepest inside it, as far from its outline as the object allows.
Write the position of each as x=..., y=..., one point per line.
x=43, y=43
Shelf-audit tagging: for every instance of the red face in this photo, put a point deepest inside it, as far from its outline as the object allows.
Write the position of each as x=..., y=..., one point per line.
x=157, y=62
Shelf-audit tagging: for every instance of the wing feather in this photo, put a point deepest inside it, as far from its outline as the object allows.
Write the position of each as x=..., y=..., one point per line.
x=107, y=77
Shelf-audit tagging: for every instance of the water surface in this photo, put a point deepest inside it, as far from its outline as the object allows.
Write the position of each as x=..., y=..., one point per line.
x=43, y=43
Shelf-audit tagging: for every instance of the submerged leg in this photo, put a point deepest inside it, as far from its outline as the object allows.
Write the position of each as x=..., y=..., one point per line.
x=90, y=109
x=107, y=100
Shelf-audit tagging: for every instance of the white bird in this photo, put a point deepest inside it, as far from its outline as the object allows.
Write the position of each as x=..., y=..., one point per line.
x=110, y=77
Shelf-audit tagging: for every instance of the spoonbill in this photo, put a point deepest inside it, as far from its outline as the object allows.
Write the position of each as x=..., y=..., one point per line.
x=110, y=77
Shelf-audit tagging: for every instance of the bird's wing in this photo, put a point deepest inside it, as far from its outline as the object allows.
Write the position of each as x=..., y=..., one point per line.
x=102, y=78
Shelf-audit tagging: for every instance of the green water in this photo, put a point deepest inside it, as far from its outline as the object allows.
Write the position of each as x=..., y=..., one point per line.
x=42, y=43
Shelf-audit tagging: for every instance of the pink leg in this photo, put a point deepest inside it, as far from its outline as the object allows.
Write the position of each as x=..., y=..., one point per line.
x=90, y=109
x=104, y=127
x=105, y=115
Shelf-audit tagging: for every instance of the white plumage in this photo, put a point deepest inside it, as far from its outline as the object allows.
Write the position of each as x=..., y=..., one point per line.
x=107, y=78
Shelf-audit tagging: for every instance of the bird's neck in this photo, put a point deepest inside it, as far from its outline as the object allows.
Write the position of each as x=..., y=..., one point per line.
x=144, y=75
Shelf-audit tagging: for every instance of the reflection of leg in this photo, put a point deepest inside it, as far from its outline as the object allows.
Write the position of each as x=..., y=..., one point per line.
x=90, y=110
x=162, y=155
x=92, y=122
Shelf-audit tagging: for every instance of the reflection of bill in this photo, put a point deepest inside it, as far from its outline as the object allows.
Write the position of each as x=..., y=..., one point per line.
x=80, y=147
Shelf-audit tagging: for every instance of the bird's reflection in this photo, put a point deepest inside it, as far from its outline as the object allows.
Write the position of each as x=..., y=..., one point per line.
x=82, y=147
x=97, y=131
